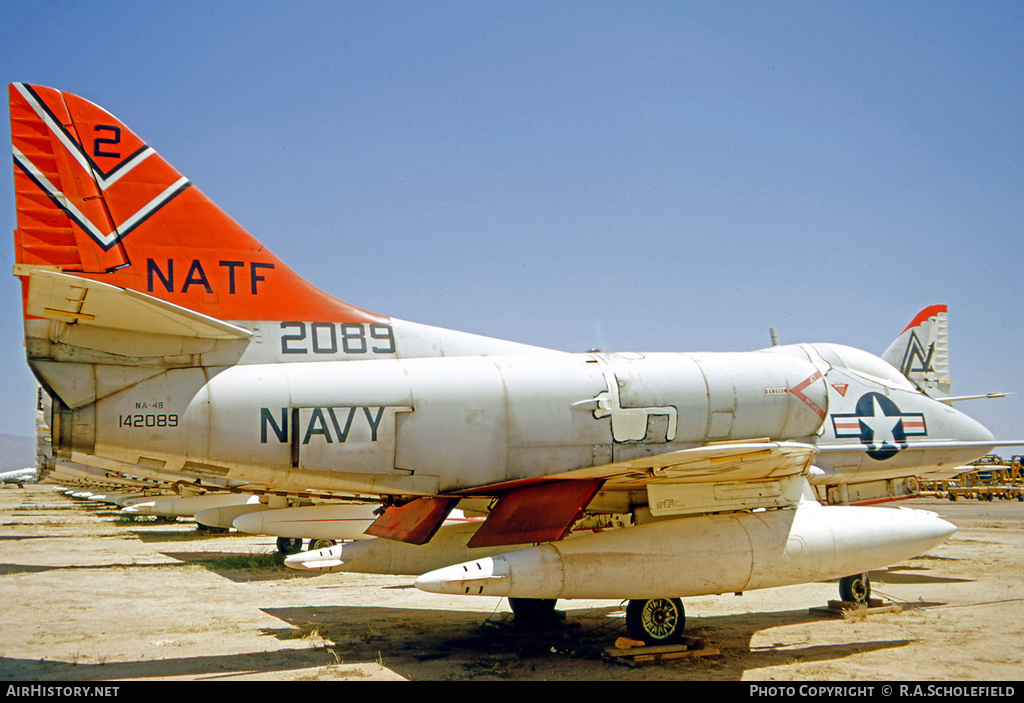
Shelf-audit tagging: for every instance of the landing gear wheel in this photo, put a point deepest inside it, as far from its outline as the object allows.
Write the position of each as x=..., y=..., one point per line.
x=532, y=607
x=287, y=545
x=207, y=529
x=315, y=544
x=533, y=612
x=656, y=620
x=855, y=589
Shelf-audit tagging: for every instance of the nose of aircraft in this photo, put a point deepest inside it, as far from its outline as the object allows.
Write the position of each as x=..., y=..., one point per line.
x=966, y=429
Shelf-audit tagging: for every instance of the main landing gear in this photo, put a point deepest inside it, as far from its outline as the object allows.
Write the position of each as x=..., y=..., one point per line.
x=855, y=589
x=656, y=621
x=534, y=614
x=289, y=545
x=659, y=621
x=653, y=621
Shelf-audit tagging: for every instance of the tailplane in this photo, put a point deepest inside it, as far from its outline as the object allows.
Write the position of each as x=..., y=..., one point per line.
x=94, y=201
x=921, y=352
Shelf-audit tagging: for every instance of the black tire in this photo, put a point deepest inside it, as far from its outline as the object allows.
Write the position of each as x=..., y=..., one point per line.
x=315, y=544
x=207, y=529
x=656, y=621
x=855, y=589
x=532, y=609
x=288, y=545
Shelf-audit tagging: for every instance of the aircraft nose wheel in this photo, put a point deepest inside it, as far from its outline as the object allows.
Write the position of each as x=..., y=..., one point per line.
x=656, y=620
x=855, y=589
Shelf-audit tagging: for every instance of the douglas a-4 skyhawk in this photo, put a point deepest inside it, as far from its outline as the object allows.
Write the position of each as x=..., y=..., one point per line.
x=169, y=338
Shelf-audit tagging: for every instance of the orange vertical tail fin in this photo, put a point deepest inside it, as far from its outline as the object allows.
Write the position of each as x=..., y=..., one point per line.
x=94, y=200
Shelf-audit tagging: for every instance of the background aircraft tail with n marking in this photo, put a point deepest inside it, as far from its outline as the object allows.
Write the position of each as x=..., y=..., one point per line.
x=921, y=352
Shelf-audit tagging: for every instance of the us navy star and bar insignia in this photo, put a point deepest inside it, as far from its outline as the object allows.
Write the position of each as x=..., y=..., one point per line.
x=879, y=423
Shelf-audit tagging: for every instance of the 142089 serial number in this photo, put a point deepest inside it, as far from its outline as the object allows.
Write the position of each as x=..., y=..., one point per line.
x=147, y=420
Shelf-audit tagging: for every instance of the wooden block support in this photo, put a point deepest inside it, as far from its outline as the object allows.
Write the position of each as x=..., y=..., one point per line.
x=634, y=653
x=849, y=609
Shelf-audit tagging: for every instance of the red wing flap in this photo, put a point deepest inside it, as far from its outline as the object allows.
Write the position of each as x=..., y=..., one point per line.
x=540, y=513
x=413, y=523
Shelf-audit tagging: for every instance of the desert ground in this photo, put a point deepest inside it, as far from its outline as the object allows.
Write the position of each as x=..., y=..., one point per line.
x=89, y=595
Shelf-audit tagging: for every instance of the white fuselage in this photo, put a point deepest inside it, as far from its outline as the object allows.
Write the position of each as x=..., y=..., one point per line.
x=434, y=425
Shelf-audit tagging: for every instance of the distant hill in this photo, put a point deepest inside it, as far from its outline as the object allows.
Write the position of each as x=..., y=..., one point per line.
x=17, y=452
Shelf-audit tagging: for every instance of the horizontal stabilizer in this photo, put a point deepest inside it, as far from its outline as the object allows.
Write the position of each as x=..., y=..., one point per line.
x=76, y=300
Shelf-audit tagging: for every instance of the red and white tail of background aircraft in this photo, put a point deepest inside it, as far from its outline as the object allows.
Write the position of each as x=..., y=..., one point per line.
x=168, y=337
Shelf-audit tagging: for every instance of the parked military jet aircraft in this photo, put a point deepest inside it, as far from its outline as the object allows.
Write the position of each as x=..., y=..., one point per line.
x=19, y=476
x=169, y=337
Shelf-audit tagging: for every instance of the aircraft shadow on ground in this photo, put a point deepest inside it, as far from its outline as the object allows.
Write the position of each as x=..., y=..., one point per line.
x=40, y=568
x=242, y=567
x=45, y=509
x=409, y=641
x=239, y=567
x=912, y=574
x=404, y=637
x=6, y=569
x=176, y=535
x=206, y=667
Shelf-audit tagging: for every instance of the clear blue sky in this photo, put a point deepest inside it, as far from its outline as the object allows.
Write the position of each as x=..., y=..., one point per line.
x=650, y=176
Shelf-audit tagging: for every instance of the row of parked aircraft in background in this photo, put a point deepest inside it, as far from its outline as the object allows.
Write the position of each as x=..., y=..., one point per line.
x=177, y=356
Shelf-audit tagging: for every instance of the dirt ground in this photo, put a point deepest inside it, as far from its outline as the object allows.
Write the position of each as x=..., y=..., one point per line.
x=88, y=596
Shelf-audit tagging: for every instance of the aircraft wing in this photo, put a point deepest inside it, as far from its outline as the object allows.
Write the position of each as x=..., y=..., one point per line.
x=715, y=462
x=714, y=478
x=921, y=445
